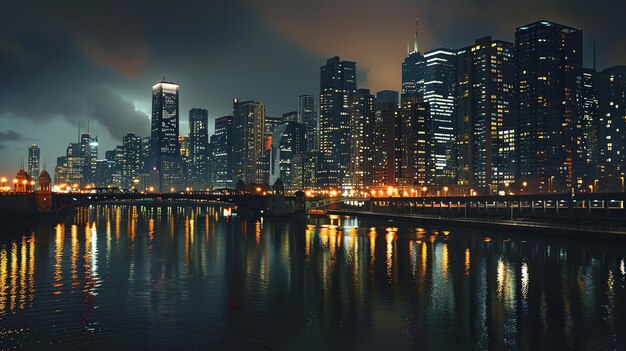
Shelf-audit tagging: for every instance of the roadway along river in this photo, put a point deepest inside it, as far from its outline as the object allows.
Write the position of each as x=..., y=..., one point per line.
x=184, y=277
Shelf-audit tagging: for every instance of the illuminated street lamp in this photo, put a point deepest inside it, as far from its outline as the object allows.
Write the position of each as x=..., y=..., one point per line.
x=620, y=178
x=424, y=189
x=590, y=188
x=445, y=191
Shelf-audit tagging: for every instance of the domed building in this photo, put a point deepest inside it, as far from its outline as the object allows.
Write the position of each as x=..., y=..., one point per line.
x=23, y=183
x=44, y=181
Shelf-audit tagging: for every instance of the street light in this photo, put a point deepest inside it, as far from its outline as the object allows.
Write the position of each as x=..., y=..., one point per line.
x=620, y=178
x=445, y=191
x=424, y=189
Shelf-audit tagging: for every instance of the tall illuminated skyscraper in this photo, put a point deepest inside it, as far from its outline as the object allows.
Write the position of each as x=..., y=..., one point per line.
x=549, y=66
x=416, y=142
x=413, y=70
x=439, y=78
x=34, y=161
x=131, y=163
x=337, y=84
x=89, y=153
x=308, y=117
x=165, y=149
x=486, y=73
x=222, y=147
x=249, y=142
x=361, y=133
x=611, y=87
x=198, y=148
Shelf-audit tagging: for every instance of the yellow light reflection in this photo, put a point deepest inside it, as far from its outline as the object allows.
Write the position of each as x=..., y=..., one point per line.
x=74, y=257
x=257, y=233
x=23, y=259
x=4, y=275
x=372, y=236
x=467, y=263
x=13, y=276
x=389, y=238
x=525, y=281
x=444, y=262
x=58, y=256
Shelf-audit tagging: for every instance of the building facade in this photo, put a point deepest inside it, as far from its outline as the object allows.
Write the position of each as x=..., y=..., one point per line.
x=165, y=149
x=198, y=148
x=611, y=89
x=485, y=114
x=34, y=161
x=549, y=65
x=337, y=84
x=249, y=143
x=308, y=116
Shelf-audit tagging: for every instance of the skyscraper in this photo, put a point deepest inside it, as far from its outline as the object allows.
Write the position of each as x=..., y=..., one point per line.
x=585, y=132
x=431, y=77
x=165, y=150
x=361, y=133
x=440, y=96
x=416, y=142
x=222, y=145
x=549, y=64
x=131, y=163
x=70, y=169
x=387, y=166
x=486, y=73
x=413, y=70
x=337, y=83
x=308, y=117
x=34, y=161
x=185, y=160
x=611, y=87
x=249, y=142
x=198, y=148
x=288, y=140
x=89, y=153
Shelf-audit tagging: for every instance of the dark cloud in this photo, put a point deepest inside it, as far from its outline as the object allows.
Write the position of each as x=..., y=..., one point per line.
x=374, y=33
x=58, y=82
x=9, y=135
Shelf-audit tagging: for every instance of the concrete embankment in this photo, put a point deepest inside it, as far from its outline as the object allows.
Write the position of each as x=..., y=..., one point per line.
x=594, y=233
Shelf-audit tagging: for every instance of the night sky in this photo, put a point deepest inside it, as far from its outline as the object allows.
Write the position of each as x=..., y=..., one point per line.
x=66, y=61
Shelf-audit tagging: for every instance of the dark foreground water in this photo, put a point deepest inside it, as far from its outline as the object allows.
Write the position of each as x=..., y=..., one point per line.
x=143, y=277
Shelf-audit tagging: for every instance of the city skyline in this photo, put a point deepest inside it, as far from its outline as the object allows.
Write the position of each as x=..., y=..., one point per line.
x=492, y=117
x=117, y=91
x=495, y=114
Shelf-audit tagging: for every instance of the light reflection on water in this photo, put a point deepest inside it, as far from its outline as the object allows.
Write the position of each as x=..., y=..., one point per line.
x=189, y=277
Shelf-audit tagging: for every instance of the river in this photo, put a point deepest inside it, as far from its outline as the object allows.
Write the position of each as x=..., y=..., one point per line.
x=199, y=277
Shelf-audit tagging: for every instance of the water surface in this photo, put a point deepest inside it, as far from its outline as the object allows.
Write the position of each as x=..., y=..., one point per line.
x=189, y=277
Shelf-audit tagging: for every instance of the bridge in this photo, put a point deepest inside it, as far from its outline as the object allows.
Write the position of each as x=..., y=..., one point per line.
x=606, y=206
x=36, y=202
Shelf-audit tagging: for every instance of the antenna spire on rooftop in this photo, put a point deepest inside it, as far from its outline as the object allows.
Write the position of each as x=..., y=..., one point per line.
x=416, y=44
